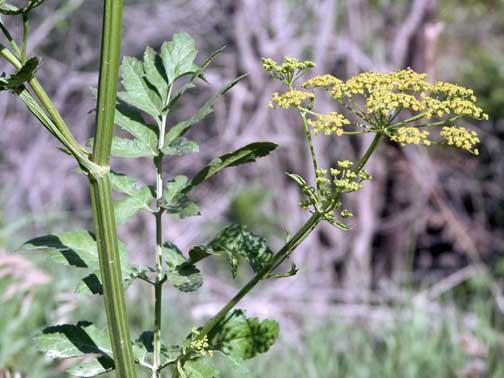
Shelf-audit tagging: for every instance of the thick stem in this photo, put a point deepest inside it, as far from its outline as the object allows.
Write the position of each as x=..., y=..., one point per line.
x=111, y=276
x=101, y=193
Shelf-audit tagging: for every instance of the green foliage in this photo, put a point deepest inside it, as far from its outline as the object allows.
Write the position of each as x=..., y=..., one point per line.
x=243, y=337
x=68, y=341
x=235, y=242
x=182, y=274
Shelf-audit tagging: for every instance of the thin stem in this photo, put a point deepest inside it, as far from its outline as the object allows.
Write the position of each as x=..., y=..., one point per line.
x=101, y=194
x=24, y=46
x=158, y=285
x=277, y=260
x=11, y=40
x=310, y=145
x=408, y=120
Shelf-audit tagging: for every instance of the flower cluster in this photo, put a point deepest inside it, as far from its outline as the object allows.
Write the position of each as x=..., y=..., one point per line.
x=330, y=123
x=461, y=137
x=293, y=98
x=289, y=71
x=411, y=135
x=386, y=93
x=322, y=81
x=200, y=346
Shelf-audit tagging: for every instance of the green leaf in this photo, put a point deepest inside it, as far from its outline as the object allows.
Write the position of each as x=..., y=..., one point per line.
x=178, y=56
x=155, y=73
x=22, y=76
x=69, y=341
x=91, y=284
x=200, y=368
x=183, y=276
x=91, y=368
x=139, y=93
x=182, y=127
x=244, y=155
x=127, y=148
x=130, y=148
x=127, y=207
x=180, y=146
x=236, y=241
x=131, y=120
x=122, y=183
x=242, y=337
x=75, y=248
x=175, y=202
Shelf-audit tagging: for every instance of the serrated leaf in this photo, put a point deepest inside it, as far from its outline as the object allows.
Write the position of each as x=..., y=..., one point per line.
x=175, y=202
x=243, y=337
x=180, y=146
x=69, y=340
x=122, y=183
x=200, y=368
x=155, y=73
x=178, y=56
x=127, y=207
x=181, y=128
x=131, y=121
x=236, y=241
x=139, y=93
x=246, y=154
x=75, y=248
x=183, y=276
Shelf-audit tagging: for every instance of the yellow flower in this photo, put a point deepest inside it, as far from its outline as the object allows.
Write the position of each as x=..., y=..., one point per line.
x=461, y=137
x=330, y=123
x=411, y=135
x=322, y=81
x=292, y=98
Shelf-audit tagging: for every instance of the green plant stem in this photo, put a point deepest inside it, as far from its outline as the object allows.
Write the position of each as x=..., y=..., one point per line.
x=46, y=102
x=158, y=284
x=310, y=145
x=24, y=46
x=101, y=194
x=279, y=257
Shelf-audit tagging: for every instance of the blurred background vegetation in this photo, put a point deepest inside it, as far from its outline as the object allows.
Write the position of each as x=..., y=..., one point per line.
x=415, y=290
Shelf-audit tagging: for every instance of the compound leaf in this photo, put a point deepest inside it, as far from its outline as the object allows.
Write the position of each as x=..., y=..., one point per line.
x=178, y=56
x=139, y=93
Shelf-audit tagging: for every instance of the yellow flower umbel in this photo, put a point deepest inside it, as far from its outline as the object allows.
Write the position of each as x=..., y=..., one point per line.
x=411, y=135
x=292, y=98
x=401, y=105
x=330, y=123
x=461, y=137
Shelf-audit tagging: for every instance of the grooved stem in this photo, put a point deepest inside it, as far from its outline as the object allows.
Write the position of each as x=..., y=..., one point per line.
x=101, y=193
